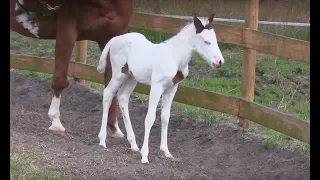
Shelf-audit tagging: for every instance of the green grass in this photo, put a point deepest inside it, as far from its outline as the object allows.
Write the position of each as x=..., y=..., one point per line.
x=267, y=143
x=28, y=165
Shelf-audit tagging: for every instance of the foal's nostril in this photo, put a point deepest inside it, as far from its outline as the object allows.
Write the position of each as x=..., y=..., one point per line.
x=216, y=65
x=220, y=62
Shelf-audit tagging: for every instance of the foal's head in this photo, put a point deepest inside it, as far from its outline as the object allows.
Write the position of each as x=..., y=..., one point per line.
x=205, y=43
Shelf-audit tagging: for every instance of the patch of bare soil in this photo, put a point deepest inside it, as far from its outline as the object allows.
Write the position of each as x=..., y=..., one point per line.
x=304, y=84
x=201, y=151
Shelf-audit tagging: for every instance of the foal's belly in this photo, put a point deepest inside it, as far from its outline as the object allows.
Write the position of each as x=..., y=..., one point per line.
x=141, y=69
x=141, y=75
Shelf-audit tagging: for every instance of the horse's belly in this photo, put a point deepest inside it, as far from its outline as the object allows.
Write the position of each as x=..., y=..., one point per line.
x=141, y=75
x=141, y=70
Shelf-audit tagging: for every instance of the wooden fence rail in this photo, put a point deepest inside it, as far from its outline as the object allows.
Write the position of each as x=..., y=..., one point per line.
x=264, y=42
x=281, y=122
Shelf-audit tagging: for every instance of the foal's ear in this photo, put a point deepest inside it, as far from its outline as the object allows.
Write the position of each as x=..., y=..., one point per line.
x=198, y=24
x=210, y=19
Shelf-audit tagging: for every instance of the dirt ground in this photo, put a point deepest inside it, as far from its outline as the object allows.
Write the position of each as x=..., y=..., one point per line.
x=201, y=151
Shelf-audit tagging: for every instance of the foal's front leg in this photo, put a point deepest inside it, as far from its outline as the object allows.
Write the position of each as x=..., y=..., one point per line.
x=166, y=100
x=155, y=94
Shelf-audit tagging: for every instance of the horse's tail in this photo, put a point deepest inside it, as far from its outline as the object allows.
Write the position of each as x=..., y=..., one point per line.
x=103, y=58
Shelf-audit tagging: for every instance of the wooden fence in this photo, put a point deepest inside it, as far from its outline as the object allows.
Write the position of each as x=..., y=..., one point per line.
x=281, y=122
x=249, y=38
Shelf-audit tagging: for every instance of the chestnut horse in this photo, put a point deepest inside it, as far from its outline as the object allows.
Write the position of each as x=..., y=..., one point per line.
x=68, y=21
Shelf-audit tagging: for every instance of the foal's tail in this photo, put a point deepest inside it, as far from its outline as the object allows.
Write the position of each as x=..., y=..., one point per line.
x=103, y=58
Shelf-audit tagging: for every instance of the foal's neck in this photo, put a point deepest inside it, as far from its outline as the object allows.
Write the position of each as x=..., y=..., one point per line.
x=182, y=45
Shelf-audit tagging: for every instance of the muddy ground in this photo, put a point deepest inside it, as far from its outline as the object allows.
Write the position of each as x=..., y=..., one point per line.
x=201, y=151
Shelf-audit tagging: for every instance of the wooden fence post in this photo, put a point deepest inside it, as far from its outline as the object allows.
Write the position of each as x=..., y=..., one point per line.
x=81, y=55
x=249, y=58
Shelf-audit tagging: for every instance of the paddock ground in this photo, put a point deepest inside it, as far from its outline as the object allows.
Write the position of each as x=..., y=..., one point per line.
x=201, y=151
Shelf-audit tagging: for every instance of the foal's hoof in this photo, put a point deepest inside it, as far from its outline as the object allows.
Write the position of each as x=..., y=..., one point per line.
x=144, y=161
x=135, y=149
x=166, y=153
x=102, y=144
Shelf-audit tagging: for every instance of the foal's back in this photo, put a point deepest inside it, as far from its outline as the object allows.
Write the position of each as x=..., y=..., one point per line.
x=138, y=51
x=144, y=58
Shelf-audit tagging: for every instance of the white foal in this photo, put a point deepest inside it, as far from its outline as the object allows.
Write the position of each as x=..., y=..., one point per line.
x=162, y=66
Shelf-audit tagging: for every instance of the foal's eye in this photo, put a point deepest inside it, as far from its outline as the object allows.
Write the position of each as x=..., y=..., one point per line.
x=207, y=42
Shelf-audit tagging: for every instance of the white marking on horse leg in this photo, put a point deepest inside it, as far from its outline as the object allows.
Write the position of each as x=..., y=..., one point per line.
x=166, y=101
x=54, y=115
x=118, y=133
x=155, y=94
x=108, y=95
x=123, y=98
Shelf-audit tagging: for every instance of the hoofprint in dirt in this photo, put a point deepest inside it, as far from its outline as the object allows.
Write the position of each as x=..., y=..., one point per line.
x=201, y=151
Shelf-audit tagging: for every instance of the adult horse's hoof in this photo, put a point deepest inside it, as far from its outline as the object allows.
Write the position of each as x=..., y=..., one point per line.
x=57, y=130
x=80, y=82
x=84, y=85
x=117, y=134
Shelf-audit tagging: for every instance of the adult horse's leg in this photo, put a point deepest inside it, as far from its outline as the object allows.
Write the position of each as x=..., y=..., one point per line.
x=112, y=116
x=66, y=37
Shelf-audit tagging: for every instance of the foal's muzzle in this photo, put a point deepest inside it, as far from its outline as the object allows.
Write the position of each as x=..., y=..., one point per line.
x=217, y=65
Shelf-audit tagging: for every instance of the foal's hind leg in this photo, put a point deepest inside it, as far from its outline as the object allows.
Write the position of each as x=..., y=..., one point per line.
x=108, y=94
x=123, y=98
x=166, y=100
x=112, y=117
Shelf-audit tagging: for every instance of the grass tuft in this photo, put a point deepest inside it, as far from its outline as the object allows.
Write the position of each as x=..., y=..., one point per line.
x=27, y=165
x=268, y=143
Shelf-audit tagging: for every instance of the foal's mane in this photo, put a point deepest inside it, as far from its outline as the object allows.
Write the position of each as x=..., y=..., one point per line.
x=186, y=27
